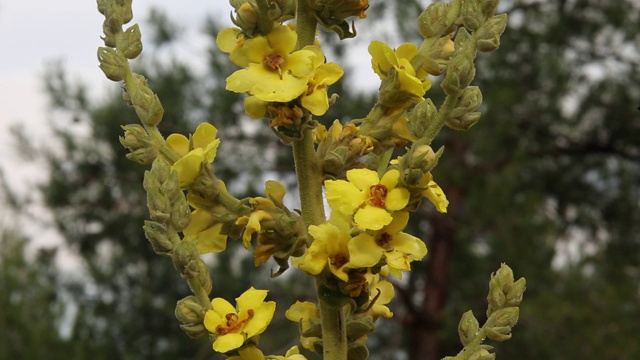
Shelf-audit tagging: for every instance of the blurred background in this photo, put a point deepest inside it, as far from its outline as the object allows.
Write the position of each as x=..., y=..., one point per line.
x=548, y=182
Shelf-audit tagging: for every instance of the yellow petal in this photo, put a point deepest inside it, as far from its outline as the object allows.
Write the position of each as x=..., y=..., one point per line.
x=390, y=179
x=282, y=39
x=372, y=218
x=407, y=51
x=363, y=251
x=227, y=39
x=257, y=49
x=317, y=102
x=363, y=179
x=275, y=191
x=204, y=135
x=251, y=299
x=329, y=73
x=228, y=342
x=397, y=199
x=255, y=108
x=261, y=319
x=299, y=64
x=179, y=143
x=343, y=196
x=188, y=167
x=222, y=307
x=211, y=240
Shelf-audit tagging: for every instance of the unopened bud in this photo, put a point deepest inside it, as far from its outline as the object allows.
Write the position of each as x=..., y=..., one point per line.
x=482, y=354
x=112, y=63
x=432, y=21
x=421, y=117
x=157, y=235
x=465, y=122
x=194, y=331
x=506, y=317
x=183, y=254
x=334, y=162
x=471, y=14
x=468, y=328
x=248, y=14
x=489, y=33
x=147, y=106
x=514, y=297
x=131, y=42
x=360, y=327
x=460, y=73
x=499, y=333
x=489, y=7
x=189, y=311
x=180, y=213
x=143, y=156
x=135, y=137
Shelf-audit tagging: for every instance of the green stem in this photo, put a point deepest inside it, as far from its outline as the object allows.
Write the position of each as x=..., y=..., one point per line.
x=434, y=127
x=310, y=175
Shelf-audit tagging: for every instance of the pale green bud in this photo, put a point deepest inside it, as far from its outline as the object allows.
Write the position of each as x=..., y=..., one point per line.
x=180, y=213
x=144, y=156
x=204, y=277
x=468, y=328
x=161, y=170
x=183, y=254
x=514, y=297
x=135, y=137
x=437, y=55
x=496, y=299
x=489, y=33
x=465, y=122
x=471, y=14
x=460, y=73
x=189, y=311
x=147, y=105
x=421, y=157
x=421, y=116
x=131, y=43
x=194, y=331
x=501, y=333
x=432, y=21
x=489, y=7
x=506, y=317
x=157, y=201
x=157, y=235
x=113, y=64
x=470, y=100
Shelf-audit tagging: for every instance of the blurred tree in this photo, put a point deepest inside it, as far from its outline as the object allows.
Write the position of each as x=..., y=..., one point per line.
x=547, y=182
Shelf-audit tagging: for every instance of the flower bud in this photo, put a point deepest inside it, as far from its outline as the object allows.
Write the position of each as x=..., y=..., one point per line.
x=157, y=202
x=471, y=14
x=204, y=277
x=135, y=137
x=470, y=100
x=465, y=122
x=460, y=73
x=189, y=311
x=157, y=235
x=147, y=105
x=144, y=156
x=514, y=297
x=468, y=328
x=180, y=213
x=112, y=64
x=489, y=33
x=421, y=117
x=183, y=254
x=489, y=7
x=247, y=14
x=194, y=331
x=499, y=333
x=506, y=317
x=432, y=21
x=360, y=327
x=131, y=42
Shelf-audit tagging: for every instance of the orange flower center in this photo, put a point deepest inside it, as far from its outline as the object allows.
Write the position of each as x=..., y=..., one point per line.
x=338, y=260
x=377, y=195
x=273, y=61
x=233, y=323
x=384, y=239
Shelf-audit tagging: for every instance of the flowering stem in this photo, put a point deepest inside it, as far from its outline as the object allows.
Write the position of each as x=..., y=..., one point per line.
x=309, y=173
x=445, y=111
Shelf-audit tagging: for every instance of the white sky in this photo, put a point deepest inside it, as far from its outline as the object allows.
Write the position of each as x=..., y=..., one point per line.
x=34, y=33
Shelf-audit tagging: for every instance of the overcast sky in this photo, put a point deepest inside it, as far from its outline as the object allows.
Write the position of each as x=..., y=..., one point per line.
x=35, y=33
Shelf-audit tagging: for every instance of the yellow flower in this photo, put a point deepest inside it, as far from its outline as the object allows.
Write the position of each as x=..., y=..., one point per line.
x=231, y=41
x=253, y=353
x=274, y=72
x=397, y=248
x=316, y=99
x=201, y=148
x=329, y=247
x=292, y=354
x=371, y=199
x=204, y=231
x=275, y=192
x=383, y=59
x=233, y=325
x=304, y=313
x=384, y=292
x=434, y=193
